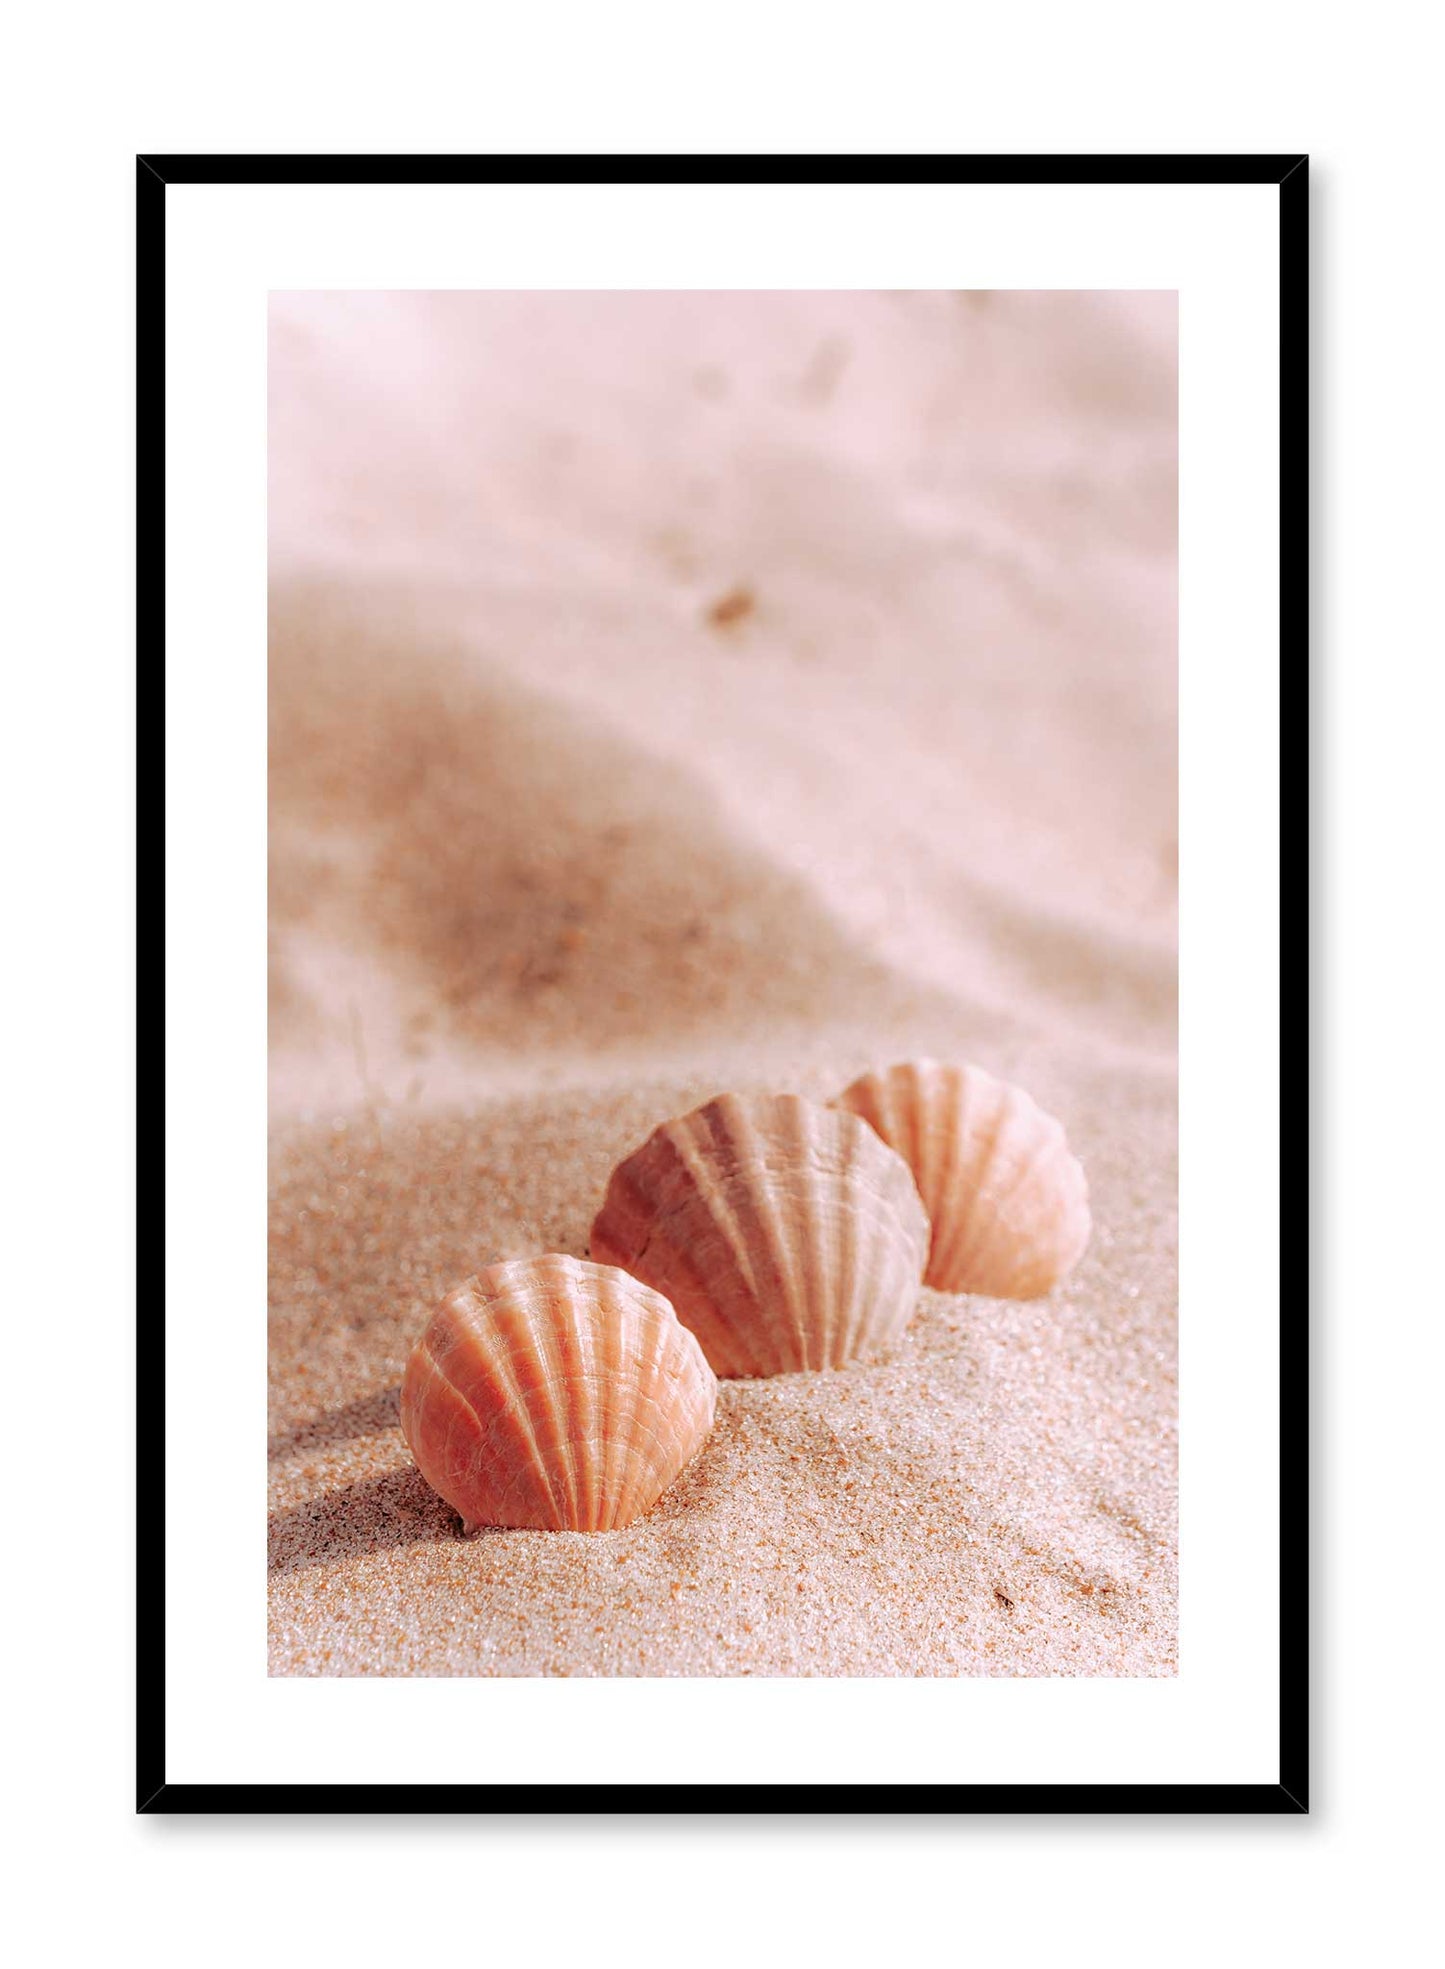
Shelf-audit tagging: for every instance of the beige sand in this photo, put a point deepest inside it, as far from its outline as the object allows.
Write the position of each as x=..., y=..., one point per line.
x=561, y=846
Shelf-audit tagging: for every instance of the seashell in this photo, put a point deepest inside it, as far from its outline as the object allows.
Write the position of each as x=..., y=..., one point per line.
x=786, y=1235
x=1008, y=1202
x=555, y=1393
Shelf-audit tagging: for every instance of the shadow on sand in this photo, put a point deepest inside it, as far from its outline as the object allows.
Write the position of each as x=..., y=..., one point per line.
x=369, y=1415
x=375, y=1514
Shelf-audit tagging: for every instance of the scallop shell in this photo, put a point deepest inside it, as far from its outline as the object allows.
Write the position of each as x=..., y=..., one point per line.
x=786, y=1234
x=1008, y=1202
x=555, y=1393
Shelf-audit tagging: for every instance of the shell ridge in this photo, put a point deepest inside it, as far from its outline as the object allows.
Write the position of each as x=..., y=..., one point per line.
x=669, y=1197
x=612, y=1475
x=515, y=1410
x=1003, y=1177
x=952, y=1229
x=976, y=1228
x=905, y=1245
x=605, y=1367
x=480, y=1455
x=665, y=1456
x=663, y=1386
x=854, y=1232
x=661, y=1379
x=975, y=1125
x=436, y=1374
x=1046, y=1144
x=629, y=1331
x=1066, y=1245
x=948, y=1140
x=918, y=1154
x=449, y=1383
x=947, y=1178
x=794, y=1300
x=545, y=1296
x=665, y=1208
x=695, y=1217
x=727, y=1221
x=887, y=1106
x=853, y=1337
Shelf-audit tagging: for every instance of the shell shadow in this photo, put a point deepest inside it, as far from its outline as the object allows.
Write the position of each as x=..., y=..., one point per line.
x=375, y=1514
x=367, y=1416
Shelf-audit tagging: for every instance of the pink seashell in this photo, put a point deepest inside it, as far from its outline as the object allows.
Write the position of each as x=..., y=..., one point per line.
x=1008, y=1202
x=786, y=1234
x=555, y=1393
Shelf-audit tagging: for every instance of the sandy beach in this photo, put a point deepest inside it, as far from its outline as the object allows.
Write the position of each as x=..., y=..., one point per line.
x=677, y=693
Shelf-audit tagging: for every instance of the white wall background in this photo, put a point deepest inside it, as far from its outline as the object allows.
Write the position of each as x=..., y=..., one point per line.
x=85, y=93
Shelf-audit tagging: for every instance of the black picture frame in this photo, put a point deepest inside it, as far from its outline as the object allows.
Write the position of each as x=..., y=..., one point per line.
x=1290, y=172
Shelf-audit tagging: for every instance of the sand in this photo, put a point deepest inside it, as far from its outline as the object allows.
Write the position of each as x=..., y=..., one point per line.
x=681, y=692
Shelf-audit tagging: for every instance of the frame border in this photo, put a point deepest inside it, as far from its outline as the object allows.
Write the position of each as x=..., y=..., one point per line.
x=1290, y=171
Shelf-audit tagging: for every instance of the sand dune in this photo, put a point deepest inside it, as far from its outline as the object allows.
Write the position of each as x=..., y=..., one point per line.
x=556, y=852
x=457, y=860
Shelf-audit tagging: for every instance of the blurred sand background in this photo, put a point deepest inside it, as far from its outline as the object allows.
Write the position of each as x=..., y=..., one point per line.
x=675, y=692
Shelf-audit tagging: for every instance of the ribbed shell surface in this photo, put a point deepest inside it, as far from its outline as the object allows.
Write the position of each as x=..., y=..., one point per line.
x=1008, y=1202
x=786, y=1235
x=554, y=1393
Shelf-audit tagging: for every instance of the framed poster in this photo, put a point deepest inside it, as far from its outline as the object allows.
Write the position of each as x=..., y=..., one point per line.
x=741, y=700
